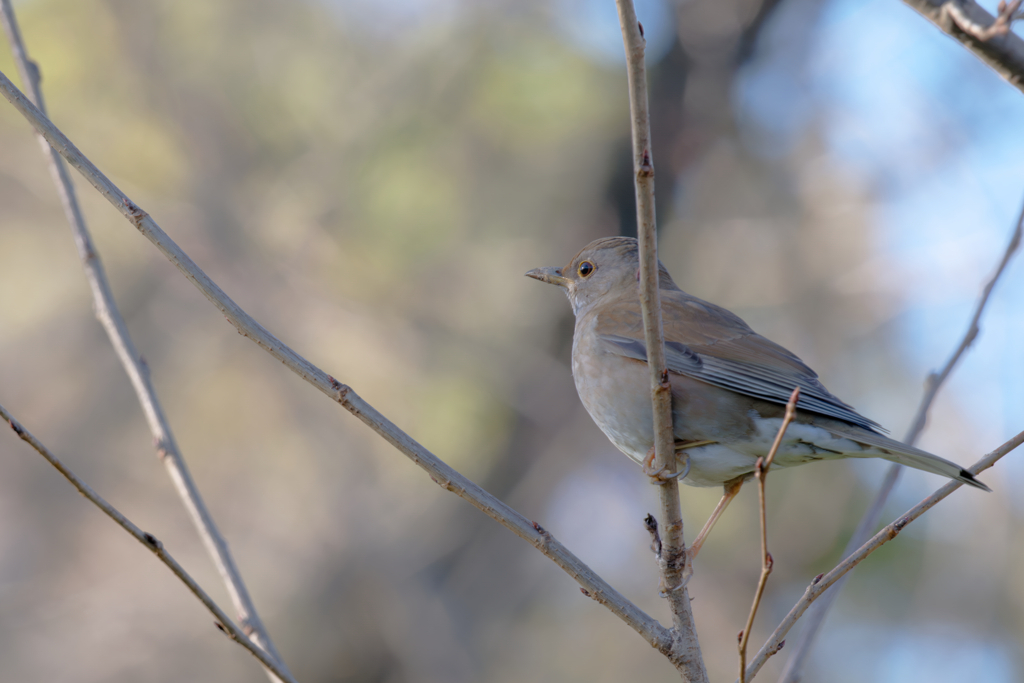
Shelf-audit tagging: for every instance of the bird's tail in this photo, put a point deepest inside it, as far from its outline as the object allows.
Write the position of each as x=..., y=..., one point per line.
x=880, y=446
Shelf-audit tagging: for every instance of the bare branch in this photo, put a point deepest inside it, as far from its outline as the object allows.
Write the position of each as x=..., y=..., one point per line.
x=936, y=380
x=761, y=473
x=138, y=372
x=672, y=560
x=871, y=516
x=153, y=545
x=821, y=583
x=441, y=473
x=1000, y=27
x=964, y=21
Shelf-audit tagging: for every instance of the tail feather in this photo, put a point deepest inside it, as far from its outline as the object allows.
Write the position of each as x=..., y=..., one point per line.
x=883, y=447
x=922, y=460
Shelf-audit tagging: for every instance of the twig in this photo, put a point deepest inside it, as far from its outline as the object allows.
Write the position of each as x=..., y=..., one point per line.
x=1004, y=53
x=155, y=546
x=935, y=380
x=441, y=473
x=138, y=372
x=821, y=582
x=761, y=473
x=651, y=524
x=1000, y=27
x=814, y=621
x=686, y=649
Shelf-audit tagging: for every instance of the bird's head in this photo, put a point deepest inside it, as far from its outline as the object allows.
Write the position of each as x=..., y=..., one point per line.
x=605, y=269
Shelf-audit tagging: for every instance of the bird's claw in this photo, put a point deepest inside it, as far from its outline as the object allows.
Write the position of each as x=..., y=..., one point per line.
x=654, y=474
x=658, y=476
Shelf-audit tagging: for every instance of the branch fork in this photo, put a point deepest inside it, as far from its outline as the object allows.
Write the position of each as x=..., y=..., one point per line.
x=1008, y=13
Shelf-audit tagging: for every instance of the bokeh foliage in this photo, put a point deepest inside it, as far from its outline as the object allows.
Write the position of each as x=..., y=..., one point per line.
x=372, y=191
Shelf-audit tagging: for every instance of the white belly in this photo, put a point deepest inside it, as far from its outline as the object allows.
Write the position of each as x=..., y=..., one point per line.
x=715, y=464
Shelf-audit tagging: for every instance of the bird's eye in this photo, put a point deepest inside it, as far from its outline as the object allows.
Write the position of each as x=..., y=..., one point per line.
x=585, y=269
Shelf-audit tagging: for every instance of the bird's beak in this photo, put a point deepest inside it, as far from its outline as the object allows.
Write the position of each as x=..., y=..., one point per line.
x=552, y=276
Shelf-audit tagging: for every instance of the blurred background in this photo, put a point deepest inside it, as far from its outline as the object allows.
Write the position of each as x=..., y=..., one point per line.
x=371, y=180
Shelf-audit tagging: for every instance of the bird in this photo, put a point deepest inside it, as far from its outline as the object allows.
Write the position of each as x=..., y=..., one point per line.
x=729, y=384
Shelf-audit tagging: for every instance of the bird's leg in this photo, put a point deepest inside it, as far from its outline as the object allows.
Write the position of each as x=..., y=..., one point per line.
x=732, y=487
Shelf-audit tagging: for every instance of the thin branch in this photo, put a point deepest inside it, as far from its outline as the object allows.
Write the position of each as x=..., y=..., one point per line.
x=869, y=521
x=761, y=473
x=138, y=372
x=686, y=649
x=1002, y=52
x=821, y=583
x=936, y=380
x=440, y=472
x=153, y=545
x=1000, y=27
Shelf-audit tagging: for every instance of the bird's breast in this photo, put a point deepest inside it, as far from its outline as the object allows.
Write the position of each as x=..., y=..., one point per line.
x=616, y=391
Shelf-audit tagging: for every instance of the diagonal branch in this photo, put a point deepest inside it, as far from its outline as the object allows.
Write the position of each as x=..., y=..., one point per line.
x=155, y=546
x=440, y=472
x=114, y=325
x=672, y=560
x=821, y=583
x=935, y=380
x=964, y=21
x=1000, y=27
x=869, y=521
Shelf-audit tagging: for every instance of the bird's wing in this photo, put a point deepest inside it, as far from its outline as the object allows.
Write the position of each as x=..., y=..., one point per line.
x=708, y=343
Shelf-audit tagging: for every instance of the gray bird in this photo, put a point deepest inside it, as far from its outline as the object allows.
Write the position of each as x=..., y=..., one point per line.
x=730, y=385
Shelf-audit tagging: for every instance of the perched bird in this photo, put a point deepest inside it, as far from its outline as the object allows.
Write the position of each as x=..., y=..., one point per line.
x=730, y=385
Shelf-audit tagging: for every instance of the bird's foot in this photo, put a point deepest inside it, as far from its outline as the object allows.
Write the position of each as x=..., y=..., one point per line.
x=658, y=476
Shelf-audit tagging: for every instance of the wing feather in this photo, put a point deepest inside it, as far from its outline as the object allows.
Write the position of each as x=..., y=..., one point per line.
x=713, y=345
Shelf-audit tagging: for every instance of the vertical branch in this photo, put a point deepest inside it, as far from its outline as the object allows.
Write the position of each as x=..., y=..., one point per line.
x=761, y=473
x=137, y=370
x=686, y=650
x=814, y=621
